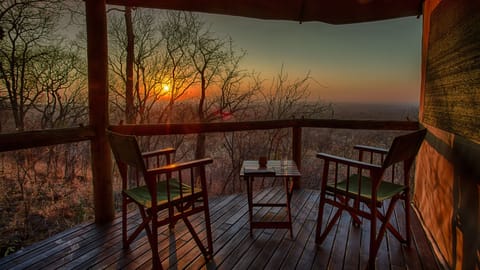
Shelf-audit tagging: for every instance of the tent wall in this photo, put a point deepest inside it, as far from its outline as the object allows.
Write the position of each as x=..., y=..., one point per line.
x=448, y=170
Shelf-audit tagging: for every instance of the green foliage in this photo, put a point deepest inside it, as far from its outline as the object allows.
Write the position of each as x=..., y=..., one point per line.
x=11, y=249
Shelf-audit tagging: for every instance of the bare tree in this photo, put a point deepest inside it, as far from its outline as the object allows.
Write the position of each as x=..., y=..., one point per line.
x=286, y=98
x=28, y=26
x=281, y=98
x=177, y=32
x=129, y=103
x=147, y=71
x=217, y=67
x=61, y=83
x=42, y=80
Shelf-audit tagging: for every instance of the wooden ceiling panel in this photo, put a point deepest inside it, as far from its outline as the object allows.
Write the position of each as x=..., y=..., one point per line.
x=329, y=11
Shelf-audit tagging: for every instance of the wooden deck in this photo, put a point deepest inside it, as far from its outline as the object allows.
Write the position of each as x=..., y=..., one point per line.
x=89, y=246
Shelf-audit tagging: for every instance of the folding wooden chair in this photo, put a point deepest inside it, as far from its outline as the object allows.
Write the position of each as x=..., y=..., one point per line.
x=171, y=186
x=347, y=183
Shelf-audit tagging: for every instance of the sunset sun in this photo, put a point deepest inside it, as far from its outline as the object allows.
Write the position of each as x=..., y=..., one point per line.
x=165, y=88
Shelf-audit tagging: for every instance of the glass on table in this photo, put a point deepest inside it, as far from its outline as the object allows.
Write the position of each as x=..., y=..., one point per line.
x=284, y=162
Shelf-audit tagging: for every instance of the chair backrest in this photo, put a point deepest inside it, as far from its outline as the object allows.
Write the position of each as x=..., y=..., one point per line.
x=125, y=149
x=404, y=147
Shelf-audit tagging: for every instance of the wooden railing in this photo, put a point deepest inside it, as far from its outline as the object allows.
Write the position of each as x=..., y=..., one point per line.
x=103, y=183
x=17, y=141
x=38, y=138
x=190, y=128
x=47, y=137
x=295, y=124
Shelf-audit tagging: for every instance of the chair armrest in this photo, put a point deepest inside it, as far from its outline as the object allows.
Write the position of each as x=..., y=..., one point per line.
x=371, y=149
x=165, y=151
x=349, y=162
x=180, y=166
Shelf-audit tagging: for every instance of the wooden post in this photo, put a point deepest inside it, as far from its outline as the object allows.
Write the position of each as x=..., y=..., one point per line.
x=297, y=151
x=97, y=54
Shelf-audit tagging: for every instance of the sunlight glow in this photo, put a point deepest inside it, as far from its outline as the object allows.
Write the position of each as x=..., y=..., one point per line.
x=165, y=88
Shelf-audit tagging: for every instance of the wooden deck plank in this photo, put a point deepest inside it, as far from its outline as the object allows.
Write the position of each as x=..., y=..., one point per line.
x=306, y=229
x=64, y=251
x=308, y=255
x=195, y=254
x=422, y=246
x=140, y=247
x=276, y=237
x=395, y=246
x=268, y=240
x=324, y=250
x=35, y=252
x=286, y=244
x=109, y=238
x=353, y=248
x=340, y=241
x=238, y=253
x=383, y=256
x=99, y=247
x=229, y=236
x=278, y=256
x=39, y=247
x=180, y=240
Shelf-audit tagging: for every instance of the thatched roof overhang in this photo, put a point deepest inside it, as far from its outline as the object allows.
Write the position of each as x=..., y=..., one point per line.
x=328, y=11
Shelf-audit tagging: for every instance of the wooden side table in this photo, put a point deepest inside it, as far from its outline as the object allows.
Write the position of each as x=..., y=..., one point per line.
x=286, y=170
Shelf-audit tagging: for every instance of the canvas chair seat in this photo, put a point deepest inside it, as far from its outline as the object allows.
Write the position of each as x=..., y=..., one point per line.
x=141, y=194
x=386, y=190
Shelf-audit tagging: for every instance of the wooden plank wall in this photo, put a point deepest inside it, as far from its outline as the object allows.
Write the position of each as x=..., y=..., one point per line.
x=452, y=87
x=447, y=193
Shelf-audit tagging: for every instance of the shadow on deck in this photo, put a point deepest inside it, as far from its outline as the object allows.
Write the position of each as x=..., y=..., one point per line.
x=90, y=246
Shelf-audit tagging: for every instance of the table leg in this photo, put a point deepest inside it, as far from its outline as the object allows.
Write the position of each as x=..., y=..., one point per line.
x=250, y=202
x=288, y=192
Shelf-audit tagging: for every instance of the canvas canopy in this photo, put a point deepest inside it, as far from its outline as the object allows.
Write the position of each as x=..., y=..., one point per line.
x=329, y=11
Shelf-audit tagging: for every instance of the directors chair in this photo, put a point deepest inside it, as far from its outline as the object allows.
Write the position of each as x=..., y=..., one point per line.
x=361, y=188
x=164, y=194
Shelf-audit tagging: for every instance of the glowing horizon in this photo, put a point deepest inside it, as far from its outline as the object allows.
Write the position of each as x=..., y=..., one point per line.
x=375, y=62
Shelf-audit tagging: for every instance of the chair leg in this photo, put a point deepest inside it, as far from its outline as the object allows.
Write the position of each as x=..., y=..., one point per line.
x=195, y=237
x=153, y=239
x=208, y=227
x=124, y=222
x=355, y=219
x=171, y=213
x=145, y=220
x=385, y=219
x=408, y=234
x=207, y=252
x=373, y=237
x=320, y=236
x=321, y=207
x=376, y=238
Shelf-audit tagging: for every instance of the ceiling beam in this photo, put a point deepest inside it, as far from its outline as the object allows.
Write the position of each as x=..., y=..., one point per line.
x=329, y=11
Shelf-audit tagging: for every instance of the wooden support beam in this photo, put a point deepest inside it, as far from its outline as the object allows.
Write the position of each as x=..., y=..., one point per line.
x=97, y=54
x=297, y=152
